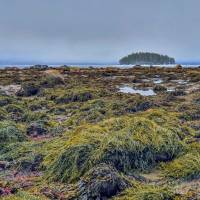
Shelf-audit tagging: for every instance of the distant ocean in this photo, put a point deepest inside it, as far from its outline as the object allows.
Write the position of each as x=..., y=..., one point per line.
x=94, y=65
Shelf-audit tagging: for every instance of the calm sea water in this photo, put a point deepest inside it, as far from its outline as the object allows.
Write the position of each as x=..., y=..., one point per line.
x=97, y=65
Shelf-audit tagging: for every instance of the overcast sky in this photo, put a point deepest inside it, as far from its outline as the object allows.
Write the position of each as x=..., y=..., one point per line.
x=97, y=30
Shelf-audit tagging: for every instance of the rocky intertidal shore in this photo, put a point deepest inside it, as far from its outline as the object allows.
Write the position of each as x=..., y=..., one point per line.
x=100, y=133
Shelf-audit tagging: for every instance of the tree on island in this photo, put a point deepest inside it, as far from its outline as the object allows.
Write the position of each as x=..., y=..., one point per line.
x=142, y=58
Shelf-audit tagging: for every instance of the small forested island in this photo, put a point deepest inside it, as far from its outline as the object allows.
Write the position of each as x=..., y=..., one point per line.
x=143, y=58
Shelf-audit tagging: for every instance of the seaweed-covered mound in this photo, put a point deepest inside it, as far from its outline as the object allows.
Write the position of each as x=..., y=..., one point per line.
x=126, y=143
x=186, y=167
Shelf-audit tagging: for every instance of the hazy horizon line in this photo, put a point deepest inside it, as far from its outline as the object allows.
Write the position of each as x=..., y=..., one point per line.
x=81, y=62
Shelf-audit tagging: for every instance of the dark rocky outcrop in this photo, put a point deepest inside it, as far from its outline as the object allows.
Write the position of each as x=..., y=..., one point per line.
x=29, y=89
x=136, y=80
x=178, y=93
x=4, y=165
x=36, y=129
x=140, y=106
x=5, y=101
x=81, y=97
x=31, y=164
x=101, y=182
x=159, y=88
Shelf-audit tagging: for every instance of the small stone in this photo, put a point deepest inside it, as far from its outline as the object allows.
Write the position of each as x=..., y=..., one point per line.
x=4, y=165
x=36, y=129
x=179, y=66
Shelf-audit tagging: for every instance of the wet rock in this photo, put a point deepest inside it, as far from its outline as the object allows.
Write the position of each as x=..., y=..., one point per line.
x=197, y=134
x=4, y=165
x=159, y=88
x=36, y=129
x=198, y=101
x=141, y=106
x=170, y=97
x=28, y=90
x=82, y=97
x=178, y=93
x=1, y=191
x=101, y=182
x=136, y=80
x=32, y=164
x=35, y=107
x=4, y=102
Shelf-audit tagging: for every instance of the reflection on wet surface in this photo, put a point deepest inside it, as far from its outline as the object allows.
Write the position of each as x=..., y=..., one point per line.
x=130, y=90
x=157, y=80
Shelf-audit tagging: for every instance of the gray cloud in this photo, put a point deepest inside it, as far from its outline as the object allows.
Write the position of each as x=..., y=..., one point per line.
x=97, y=30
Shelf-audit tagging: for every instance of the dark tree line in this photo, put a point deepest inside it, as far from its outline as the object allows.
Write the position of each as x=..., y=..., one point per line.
x=146, y=58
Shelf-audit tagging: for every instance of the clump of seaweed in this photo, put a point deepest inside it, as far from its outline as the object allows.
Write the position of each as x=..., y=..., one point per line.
x=126, y=143
x=9, y=133
x=145, y=192
x=185, y=167
x=23, y=196
x=50, y=81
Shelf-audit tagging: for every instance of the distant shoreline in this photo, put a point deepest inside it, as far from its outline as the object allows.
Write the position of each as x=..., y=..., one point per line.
x=96, y=65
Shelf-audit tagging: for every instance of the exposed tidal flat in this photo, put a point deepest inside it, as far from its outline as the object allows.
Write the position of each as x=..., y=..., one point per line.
x=100, y=133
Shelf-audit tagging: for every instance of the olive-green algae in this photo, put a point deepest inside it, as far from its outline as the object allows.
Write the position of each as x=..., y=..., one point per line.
x=185, y=167
x=88, y=126
x=127, y=143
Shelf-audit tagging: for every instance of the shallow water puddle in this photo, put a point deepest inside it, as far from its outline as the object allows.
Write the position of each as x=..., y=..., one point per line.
x=170, y=89
x=157, y=80
x=130, y=90
x=154, y=80
x=180, y=81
